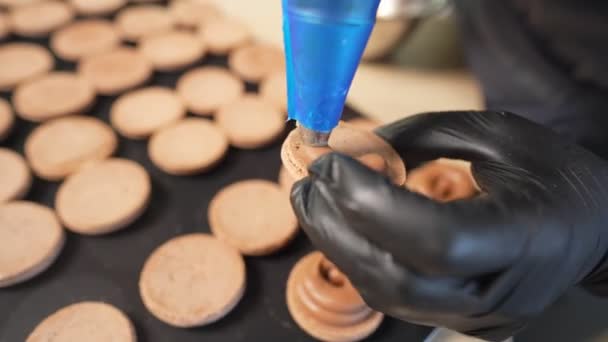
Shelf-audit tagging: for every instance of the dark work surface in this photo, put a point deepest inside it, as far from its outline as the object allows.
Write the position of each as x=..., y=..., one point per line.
x=107, y=268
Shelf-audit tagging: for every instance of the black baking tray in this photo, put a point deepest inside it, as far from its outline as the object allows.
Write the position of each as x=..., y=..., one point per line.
x=107, y=268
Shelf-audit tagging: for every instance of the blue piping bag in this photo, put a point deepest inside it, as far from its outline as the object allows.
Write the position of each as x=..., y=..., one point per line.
x=324, y=41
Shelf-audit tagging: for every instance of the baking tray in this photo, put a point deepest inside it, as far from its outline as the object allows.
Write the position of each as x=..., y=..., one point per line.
x=107, y=268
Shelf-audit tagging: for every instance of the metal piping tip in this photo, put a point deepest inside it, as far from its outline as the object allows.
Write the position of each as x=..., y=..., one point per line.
x=313, y=138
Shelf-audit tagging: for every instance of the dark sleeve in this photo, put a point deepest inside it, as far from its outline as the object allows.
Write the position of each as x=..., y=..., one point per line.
x=597, y=282
x=544, y=59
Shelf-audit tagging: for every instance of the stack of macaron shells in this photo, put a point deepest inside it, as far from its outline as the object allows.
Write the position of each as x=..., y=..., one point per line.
x=189, y=128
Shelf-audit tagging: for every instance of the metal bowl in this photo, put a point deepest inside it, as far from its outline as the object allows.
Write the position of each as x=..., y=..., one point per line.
x=395, y=20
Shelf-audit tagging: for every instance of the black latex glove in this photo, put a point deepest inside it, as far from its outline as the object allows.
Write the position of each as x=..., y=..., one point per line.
x=481, y=266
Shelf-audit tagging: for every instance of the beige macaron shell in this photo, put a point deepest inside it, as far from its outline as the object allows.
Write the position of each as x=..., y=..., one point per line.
x=52, y=95
x=5, y=26
x=274, y=89
x=31, y=238
x=7, y=119
x=22, y=61
x=142, y=112
x=250, y=122
x=356, y=142
x=15, y=178
x=206, y=89
x=222, y=35
x=255, y=62
x=40, y=18
x=116, y=71
x=139, y=21
x=345, y=139
x=192, y=13
x=364, y=123
x=192, y=280
x=104, y=197
x=10, y=4
x=61, y=147
x=85, y=38
x=188, y=147
x=85, y=321
x=97, y=7
x=253, y=216
x=172, y=50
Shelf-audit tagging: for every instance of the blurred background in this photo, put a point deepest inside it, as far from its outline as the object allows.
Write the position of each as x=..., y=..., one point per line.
x=422, y=59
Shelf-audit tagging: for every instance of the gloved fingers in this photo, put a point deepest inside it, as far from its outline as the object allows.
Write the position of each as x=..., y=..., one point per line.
x=509, y=182
x=383, y=282
x=351, y=254
x=497, y=145
x=462, y=238
x=466, y=135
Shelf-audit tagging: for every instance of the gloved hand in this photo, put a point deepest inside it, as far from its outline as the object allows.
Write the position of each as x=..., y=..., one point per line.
x=480, y=266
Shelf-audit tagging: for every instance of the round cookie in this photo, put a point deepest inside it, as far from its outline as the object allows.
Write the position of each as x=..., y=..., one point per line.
x=104, y=197
x=443, y=180
x=374, y=161
x=138, y=21
x=142, y=112
x=274, y=89
x=7, y=119
x=85, y=38
x=10, y=4
x=31, y=239
x=250, y=122
x=192, y=280
x=223, y=35
x=40, y=18
x=15, y=178
x=52, y=95
x=253, y=216
x=116, y=71
x=85, y=321
x=255, y=62
x=97, y=7
x=192, y=13
x=206, y=89
x=22, y=61
x=61, y=147
x=188, y=147
x=344, y=139
x=323, y=302
x=5, y=26
x=172, y=50
x=364, y=123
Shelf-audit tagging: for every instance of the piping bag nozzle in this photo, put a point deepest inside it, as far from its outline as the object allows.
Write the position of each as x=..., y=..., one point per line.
x=324, y=41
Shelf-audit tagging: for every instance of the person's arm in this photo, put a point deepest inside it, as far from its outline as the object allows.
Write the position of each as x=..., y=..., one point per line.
x=482, y=266
x=542, y=59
